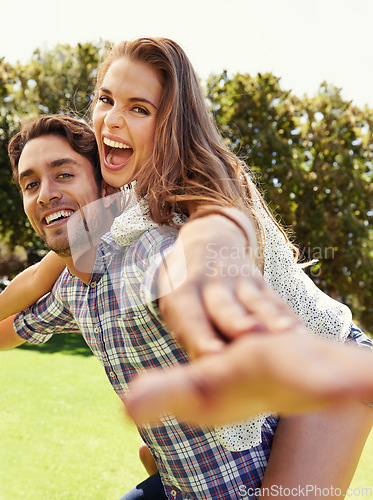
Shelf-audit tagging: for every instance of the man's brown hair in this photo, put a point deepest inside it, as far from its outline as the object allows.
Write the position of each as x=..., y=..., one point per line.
x=78, y=134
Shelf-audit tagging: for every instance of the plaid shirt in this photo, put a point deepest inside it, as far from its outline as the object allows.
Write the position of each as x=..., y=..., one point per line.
x=125, y=333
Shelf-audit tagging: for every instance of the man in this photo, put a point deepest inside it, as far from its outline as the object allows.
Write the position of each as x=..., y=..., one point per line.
x=57, y=180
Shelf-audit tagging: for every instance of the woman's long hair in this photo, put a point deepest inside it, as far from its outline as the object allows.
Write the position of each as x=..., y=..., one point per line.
x=190, y=161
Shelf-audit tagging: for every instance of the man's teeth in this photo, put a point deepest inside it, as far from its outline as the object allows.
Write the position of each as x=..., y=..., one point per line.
x=57, y=215
x=115, y=144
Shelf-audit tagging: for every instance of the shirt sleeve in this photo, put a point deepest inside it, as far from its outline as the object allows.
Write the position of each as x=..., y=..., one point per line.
x=44, y=318
x=147, y=256
x=357, y=337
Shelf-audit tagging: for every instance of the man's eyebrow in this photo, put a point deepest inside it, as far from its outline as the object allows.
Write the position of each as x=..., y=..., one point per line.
x=26, y=173
x=131, y=99
x=63, y=161
x=53, y=164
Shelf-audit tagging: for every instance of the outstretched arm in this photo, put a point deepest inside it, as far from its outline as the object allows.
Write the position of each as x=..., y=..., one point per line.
x=34, y=282
x=288, y=373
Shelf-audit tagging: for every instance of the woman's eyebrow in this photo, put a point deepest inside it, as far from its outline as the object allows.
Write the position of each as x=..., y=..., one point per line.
x=131, y=99
x=142, y=99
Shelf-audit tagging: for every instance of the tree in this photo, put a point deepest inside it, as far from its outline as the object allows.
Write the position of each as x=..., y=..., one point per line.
x=313, y=160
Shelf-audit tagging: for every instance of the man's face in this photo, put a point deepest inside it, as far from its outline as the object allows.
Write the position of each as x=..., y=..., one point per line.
x=56, y=181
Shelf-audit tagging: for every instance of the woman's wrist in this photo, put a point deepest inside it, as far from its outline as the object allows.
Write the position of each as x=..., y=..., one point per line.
x=234, y=215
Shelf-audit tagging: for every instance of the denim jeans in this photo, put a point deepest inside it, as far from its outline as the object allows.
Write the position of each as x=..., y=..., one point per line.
x=150, y=489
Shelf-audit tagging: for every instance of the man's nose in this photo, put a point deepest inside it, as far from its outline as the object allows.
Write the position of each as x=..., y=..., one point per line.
x=48, y=191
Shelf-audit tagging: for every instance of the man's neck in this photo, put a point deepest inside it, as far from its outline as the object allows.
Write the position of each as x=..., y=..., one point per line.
x=84, y=244
x=83, y=267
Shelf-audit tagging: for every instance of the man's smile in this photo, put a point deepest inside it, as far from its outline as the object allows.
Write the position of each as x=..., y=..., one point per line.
x=57, y=216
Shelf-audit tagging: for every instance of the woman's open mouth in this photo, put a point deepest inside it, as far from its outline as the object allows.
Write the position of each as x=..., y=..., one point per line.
x=116, y=154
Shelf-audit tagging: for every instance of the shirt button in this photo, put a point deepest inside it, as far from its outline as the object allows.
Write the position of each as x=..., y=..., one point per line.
x=95, y=329
x=112, y=374
x=93, y=285
x=173, y=493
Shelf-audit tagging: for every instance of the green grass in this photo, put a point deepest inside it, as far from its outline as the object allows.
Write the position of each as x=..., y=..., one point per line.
x=63, y=434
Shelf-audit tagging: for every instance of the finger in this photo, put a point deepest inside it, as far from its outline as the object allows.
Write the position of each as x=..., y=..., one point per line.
x=268, y=307
x=227, y=313
x=159, y=392
x=285, y=373
x=185, y=316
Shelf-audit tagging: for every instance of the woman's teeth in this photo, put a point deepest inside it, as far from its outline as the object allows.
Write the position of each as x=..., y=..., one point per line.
x=117, y=153
x=115, y=144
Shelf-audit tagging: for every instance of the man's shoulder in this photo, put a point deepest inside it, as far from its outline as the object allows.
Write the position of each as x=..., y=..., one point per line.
x=64, y=278
x=65, y=283
x=156, y=237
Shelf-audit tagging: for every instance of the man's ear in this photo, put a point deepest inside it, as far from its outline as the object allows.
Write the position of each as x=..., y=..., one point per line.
x=106, y=191
x=102, y=189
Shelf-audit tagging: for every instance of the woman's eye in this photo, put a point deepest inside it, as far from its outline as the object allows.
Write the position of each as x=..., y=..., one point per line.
x=105, y=99
x=140, y=110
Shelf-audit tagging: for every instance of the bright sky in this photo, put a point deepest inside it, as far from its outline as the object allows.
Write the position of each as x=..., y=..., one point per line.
x=303, y=42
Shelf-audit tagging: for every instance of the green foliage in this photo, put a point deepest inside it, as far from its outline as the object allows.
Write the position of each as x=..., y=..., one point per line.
x=313, y=160
x=61, y=440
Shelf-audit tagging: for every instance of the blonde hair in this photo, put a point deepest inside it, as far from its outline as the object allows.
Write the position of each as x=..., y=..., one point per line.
x=190, y=161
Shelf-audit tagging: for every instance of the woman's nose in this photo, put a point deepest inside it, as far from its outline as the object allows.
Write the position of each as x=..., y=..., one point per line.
x=114, y=118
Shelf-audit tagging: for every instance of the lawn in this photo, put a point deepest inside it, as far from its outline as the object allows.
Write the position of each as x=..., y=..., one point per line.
x=63, y=434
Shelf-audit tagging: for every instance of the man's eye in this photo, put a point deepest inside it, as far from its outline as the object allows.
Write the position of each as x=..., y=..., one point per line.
x=30, y=185
x=65, y=175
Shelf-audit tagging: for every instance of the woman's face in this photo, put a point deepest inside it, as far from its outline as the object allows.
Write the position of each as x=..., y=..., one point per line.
x=124, y=119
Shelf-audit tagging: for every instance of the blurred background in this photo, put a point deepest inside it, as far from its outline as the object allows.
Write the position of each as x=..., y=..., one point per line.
x=289, y=83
